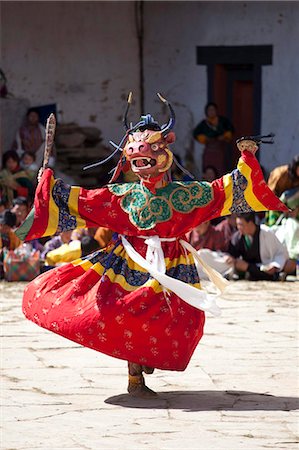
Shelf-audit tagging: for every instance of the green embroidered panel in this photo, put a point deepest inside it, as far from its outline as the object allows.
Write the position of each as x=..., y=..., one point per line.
x=146, y=209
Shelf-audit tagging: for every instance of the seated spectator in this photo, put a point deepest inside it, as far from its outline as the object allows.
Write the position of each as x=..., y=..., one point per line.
x=29, y=165
x=8, y=239
x=2, y=206
x=65, y=253
x=21, y=209
x=209, y=174
x=281, y=179
x=78, y=233
x=285, y=177
x=73, y=250
x=88, y=245
x=56, y=242
x=228, y=228
x=256, y=252
x=14, y=181
x=289, y=197
x=21, y=263
x=287, y=225
x=210, y=245
x=103, y=236
x=205, y=235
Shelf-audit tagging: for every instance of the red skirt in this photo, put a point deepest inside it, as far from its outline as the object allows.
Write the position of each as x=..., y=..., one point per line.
x=110, y=304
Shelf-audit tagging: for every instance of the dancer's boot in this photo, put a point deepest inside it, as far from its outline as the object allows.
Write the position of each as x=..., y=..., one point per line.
x=136, y=386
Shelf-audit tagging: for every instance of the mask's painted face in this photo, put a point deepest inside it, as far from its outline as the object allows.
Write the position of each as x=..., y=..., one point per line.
x=148, y=153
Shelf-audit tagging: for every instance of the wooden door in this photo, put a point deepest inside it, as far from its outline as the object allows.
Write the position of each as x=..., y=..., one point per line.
x=235, y=91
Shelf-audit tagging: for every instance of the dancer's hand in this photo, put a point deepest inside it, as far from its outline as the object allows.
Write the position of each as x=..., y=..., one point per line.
x=249, y=145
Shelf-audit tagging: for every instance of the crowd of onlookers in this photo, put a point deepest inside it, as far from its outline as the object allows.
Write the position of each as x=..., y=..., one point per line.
x=263, y=246
x=21, y=261
x=18, y=179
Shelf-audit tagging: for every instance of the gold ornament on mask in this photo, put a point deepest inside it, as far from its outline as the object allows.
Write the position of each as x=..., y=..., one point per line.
x=170, y=160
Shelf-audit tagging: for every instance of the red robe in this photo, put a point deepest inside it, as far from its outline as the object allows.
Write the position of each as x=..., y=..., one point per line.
x=106, y=301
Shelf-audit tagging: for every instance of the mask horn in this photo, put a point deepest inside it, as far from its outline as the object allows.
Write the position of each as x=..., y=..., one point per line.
x=125, y=122
x=171, y=121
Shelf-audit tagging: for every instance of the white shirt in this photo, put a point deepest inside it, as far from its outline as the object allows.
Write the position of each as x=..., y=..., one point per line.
x=273, y=253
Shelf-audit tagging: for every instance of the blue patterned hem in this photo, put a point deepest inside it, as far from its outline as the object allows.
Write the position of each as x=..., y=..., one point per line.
x=186, y=273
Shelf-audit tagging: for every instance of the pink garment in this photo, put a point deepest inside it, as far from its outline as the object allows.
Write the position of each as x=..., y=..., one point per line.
x=212, y=239
x=228, y=230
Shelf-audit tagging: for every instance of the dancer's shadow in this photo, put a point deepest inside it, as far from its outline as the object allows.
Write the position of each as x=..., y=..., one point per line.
x=209, y=401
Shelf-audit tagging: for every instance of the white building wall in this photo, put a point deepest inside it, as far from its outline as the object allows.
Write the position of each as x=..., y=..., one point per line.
x=81, y=55
x=174, y=31
x=84, y=56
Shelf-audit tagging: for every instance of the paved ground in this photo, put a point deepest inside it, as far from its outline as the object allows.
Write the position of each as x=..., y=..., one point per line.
x=239, y=391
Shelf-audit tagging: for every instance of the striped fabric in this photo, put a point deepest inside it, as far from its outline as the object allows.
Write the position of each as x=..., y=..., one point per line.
x=108, y=302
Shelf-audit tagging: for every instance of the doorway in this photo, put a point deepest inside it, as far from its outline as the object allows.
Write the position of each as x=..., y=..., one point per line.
x=234, y=84
x=238, y=98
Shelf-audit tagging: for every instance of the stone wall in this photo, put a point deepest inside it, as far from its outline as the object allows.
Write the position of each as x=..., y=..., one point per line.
x=12, y=111
x=80, y=55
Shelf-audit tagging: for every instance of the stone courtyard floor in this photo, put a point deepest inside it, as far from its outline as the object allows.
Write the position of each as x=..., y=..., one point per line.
x=239, y=391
